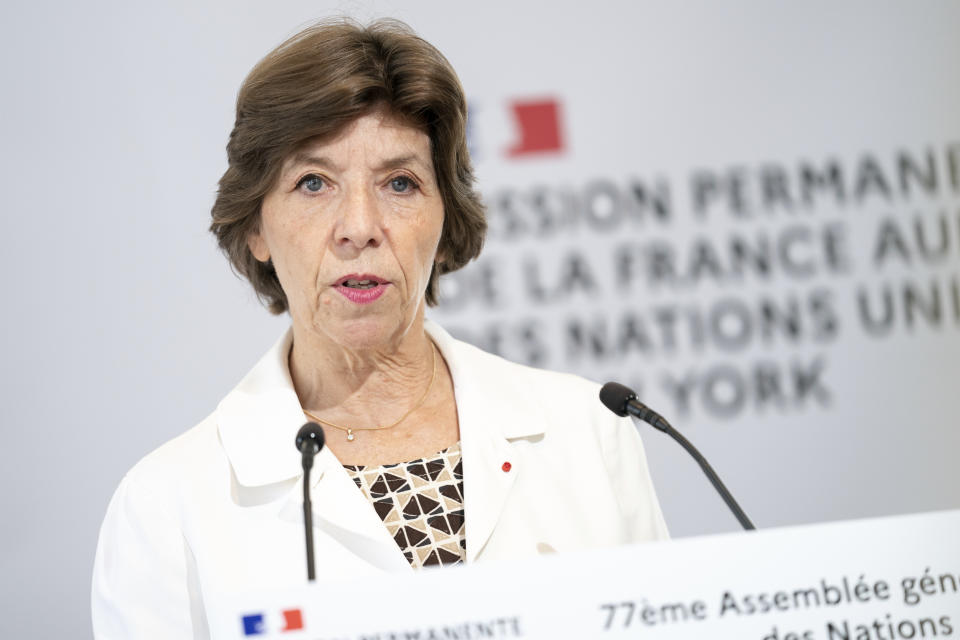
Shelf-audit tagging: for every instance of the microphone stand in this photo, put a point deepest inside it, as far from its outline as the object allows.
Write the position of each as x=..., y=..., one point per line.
x=307, y=462
x=309, y=443
x=623, y=401
x=704, y=465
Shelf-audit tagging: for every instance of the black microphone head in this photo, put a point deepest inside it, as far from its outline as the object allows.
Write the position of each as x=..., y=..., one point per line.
x=310, y=432
x=615, y=397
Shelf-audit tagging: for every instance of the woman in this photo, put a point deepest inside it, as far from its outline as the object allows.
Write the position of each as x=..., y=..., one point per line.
x=348, y=193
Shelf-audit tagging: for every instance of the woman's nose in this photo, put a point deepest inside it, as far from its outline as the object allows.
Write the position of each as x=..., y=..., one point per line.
x=360, y=222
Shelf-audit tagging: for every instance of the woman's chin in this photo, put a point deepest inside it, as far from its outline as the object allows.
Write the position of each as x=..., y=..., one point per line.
x=366, y=333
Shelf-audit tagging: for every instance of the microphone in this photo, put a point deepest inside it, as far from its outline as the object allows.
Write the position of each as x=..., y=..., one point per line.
x=623, y=401
x=309, y=443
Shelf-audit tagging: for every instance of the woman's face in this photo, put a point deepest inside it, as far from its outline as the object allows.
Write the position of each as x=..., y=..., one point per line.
x=352, y=227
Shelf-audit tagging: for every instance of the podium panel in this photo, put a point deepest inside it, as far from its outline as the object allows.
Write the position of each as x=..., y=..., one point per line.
x=879, y=579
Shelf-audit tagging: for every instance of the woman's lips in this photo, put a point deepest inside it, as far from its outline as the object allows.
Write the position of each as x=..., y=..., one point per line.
x=365, y=288
x=361, y=296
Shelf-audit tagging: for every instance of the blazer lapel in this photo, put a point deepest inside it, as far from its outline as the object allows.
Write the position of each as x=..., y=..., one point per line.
x=343, y=513
x=492, y=412
x=486, y=485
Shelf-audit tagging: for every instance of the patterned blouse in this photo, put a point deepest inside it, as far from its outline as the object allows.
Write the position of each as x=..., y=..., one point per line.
x=421, y=504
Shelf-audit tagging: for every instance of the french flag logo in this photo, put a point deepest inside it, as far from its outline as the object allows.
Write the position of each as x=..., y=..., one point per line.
x=255, y=624
x=539, y=126
x=292, y=620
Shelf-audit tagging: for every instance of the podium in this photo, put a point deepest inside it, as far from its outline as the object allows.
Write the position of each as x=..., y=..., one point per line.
x=878, y=579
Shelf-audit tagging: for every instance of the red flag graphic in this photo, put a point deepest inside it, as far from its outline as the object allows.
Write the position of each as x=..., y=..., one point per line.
x=539, y=124
x=292, y=619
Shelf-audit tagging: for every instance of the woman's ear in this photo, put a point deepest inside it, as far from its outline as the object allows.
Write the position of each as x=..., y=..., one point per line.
x=258, y=246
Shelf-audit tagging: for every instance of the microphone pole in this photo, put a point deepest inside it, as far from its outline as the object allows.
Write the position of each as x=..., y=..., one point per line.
x=309, y=443
x=623, y=401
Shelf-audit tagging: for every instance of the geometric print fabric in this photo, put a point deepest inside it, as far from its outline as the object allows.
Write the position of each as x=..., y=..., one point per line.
x=421, y=504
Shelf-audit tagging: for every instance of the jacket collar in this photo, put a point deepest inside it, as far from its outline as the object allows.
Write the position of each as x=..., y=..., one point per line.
x=486, y=389
x=258, y=421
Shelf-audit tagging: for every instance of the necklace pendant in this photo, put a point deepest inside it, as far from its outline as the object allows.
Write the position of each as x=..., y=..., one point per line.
x=350, y=435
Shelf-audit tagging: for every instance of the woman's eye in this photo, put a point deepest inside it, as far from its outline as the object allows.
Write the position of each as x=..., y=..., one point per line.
x=402, y=184
x=311, y=183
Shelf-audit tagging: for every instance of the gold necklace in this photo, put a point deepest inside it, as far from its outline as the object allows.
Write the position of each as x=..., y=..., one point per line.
x=351, y=437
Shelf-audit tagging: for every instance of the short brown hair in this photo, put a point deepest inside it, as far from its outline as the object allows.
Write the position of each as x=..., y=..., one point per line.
x=311, y=87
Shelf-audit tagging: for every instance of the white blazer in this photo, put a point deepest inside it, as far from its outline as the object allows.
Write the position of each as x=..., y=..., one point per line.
x=218, y=510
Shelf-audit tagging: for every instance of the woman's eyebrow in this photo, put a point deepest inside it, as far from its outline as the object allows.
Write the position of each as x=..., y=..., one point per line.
x=301, y=159
x=401, y=161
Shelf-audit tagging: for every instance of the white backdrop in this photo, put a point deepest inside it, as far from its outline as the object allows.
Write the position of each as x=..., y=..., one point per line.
x=124, y=326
